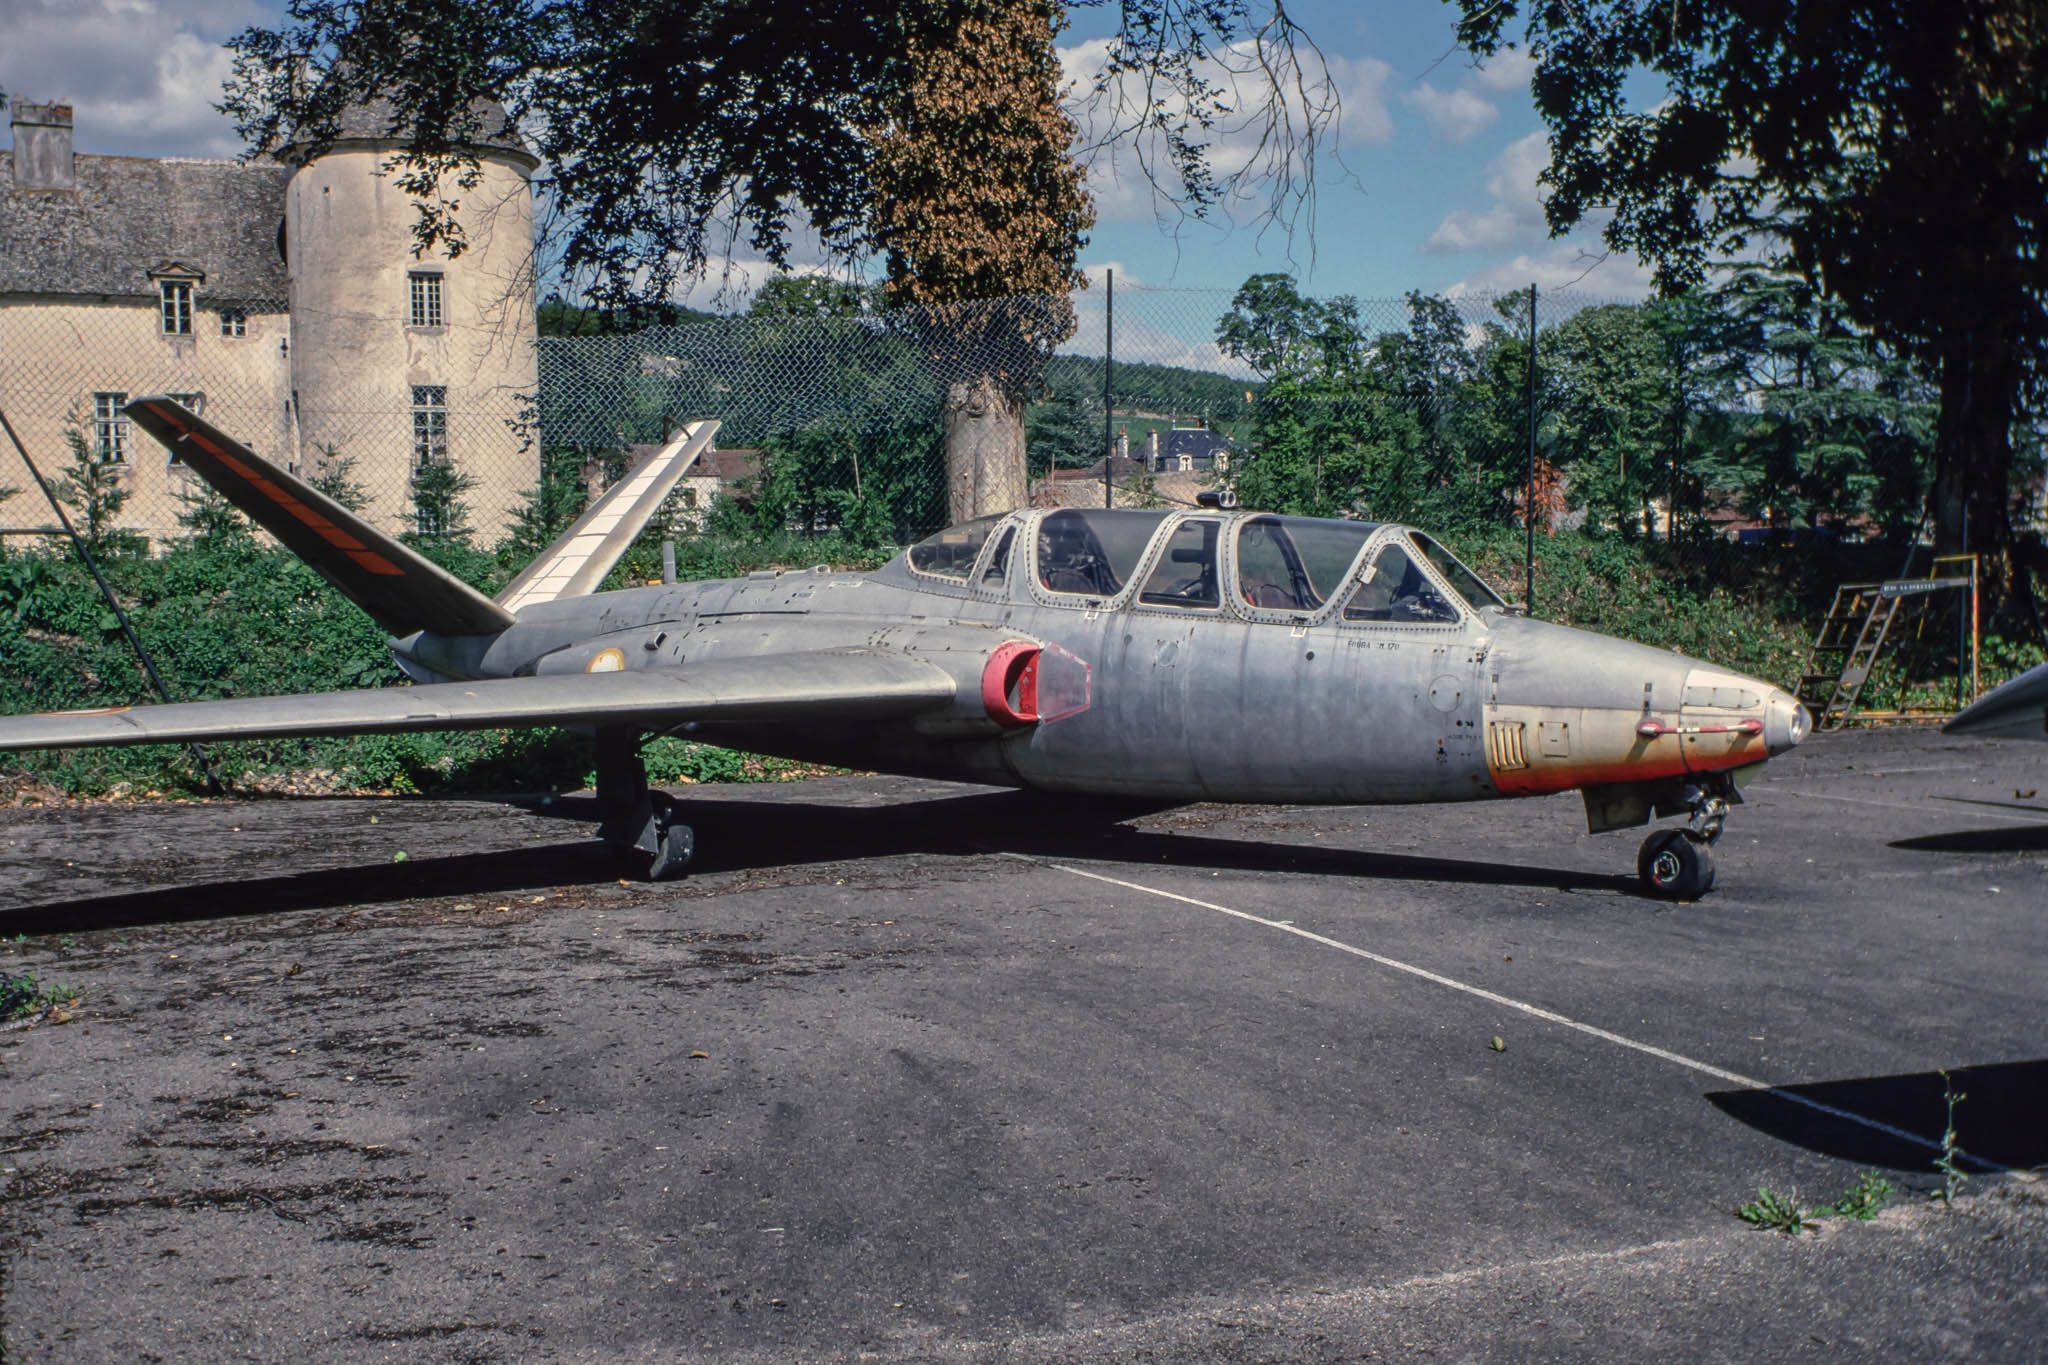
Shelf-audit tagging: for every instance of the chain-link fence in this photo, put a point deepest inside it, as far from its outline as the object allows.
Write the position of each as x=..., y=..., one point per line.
x=1663, y=421
x=1730, y=450
x=841, y=421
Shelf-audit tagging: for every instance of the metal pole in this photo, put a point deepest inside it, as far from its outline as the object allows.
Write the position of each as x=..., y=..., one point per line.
x=1108, y=367
x=1961, y=624
x=1529, y=506
x=1976, y=630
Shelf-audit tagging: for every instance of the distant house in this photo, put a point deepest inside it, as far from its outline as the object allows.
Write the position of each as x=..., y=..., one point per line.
x=282, y=297
x=1132, y=484
x=1188, y=450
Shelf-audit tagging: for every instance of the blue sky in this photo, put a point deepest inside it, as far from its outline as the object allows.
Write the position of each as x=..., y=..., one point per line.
x=1435, y=191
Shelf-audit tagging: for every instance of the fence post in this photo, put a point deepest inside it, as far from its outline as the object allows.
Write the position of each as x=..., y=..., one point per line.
x=1529, y=506
x=1108, y=367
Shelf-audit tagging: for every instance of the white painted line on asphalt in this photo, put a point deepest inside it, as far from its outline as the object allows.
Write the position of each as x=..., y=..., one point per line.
x=1922, y=811
x=1679, y=1059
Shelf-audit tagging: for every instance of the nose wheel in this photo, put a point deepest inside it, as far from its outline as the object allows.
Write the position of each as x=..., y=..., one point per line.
x=1676, y=864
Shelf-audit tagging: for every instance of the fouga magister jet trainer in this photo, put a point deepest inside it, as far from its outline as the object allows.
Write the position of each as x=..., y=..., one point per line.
x=1169, y=656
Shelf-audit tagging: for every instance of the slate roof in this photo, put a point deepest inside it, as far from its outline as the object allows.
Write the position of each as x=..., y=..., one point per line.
x=371, y=121
x=1202, y=443
x=129, y=214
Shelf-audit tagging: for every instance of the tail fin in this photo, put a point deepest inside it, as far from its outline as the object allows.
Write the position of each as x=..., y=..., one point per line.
x=580, y=558
x=402, y=590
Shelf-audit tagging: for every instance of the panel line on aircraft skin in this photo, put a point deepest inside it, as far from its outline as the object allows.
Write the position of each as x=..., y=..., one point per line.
x=1679, y=1059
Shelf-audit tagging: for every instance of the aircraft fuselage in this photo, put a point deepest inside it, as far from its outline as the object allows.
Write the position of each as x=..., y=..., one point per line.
x=1224, y=693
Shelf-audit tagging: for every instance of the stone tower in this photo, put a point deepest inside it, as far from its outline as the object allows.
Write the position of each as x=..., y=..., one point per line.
x=398, y=359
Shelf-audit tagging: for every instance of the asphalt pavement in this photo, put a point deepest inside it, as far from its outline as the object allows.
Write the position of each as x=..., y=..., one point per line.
x=909, y=1071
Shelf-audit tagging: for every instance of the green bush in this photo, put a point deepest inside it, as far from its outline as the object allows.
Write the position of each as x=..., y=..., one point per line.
x=229, y=617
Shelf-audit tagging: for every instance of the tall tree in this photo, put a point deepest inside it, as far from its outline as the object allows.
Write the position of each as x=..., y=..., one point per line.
x=1826, y=428
x=1892, y=149
x=980, y=210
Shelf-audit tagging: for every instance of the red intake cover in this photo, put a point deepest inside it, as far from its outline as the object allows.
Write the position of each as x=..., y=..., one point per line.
x=1026, y=684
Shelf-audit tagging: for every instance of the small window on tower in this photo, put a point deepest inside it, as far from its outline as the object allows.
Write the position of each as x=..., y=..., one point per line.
x=234, y=322
x=176, y=296
x=429, y=424
x=426, y=298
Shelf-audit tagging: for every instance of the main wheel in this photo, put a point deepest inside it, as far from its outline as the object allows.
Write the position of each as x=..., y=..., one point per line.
x=1675, y=866
x=677, y=845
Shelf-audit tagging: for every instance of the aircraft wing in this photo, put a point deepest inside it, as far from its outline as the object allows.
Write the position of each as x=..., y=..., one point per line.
x=2015, y=710
x=849, y=684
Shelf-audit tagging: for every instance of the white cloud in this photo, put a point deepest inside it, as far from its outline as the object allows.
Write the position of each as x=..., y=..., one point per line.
x=1580, y=265
x=1506, y=71
x=1465, y=230
x=1516, y=212
x=141, y=75
x=1098, y=272
x=1454, y=115
x=1513, y=225
x=1123, y=168
x=1361, y=84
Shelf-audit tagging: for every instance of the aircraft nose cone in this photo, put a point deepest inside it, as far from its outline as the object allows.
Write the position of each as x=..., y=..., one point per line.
x=1786, y=722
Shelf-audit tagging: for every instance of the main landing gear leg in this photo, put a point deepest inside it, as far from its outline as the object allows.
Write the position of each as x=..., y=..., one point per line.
x=634, y=818
x=1677, y=864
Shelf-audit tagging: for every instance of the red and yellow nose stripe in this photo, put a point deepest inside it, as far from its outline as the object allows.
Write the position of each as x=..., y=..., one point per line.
x=1531, y=750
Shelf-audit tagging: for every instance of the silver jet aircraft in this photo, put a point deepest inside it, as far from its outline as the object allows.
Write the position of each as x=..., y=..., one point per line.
x=1164, y=655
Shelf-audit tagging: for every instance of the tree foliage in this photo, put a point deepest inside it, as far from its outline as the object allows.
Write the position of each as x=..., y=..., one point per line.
x=1891, y=150
x=675, y=132
x=1754, y=399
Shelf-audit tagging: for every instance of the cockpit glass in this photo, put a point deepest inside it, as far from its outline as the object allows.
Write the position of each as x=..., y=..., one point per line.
x=952, y=552
x=1093, y=552
x=1186, y=573
x=1295, y=563
x=1463, y=581
x=1395, y=589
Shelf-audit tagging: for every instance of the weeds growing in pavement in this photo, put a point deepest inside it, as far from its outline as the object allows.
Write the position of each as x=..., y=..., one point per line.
x=24, y=997
x=1949, y=1163
x=1781, y=1213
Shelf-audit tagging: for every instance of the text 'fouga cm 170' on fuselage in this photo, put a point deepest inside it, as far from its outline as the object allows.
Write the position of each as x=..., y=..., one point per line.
x=1179, y=655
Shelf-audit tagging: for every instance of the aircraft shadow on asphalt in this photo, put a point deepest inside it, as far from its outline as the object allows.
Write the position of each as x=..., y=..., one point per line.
x=2002, y=1116
x=742, y=835
x=2005, y=839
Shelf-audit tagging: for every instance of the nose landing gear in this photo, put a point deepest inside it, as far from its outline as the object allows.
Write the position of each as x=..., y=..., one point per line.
x=1678, y=864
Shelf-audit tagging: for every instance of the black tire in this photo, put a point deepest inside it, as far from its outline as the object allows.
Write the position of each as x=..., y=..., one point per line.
x=678, y=847
x=1674, y=866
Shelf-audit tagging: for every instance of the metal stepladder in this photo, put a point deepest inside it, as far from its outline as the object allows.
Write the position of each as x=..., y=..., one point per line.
x=1861, y=621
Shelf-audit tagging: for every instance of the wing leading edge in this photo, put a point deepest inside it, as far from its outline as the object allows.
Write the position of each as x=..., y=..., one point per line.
x=840, y=684
x=581, y=557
